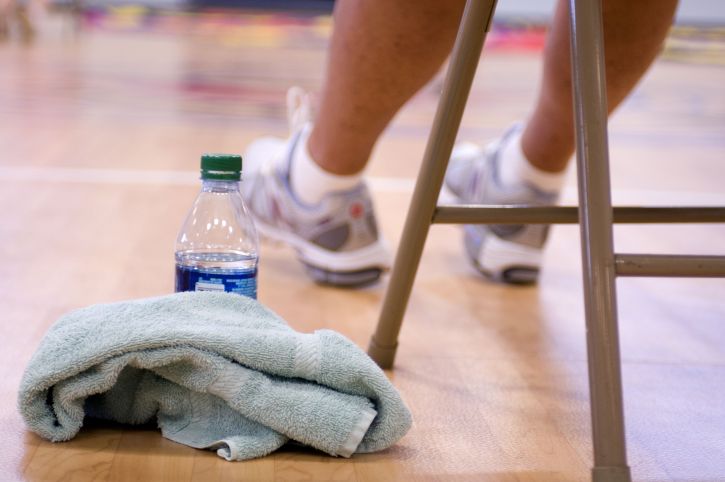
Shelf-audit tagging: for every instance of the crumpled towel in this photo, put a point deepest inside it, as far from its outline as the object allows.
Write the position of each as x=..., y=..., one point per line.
x=218, y=371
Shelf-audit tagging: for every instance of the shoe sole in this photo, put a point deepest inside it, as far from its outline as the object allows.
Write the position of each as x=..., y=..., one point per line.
x=348, y=269
x=500, y=260
x=345, y=279
x=507, y=262
x=513, y=275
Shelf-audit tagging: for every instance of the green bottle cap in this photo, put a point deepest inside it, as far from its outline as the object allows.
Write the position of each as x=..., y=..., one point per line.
x=221, y=167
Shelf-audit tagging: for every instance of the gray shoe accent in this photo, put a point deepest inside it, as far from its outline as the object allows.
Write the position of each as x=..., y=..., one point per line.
x=333, y=239
x=347, y=279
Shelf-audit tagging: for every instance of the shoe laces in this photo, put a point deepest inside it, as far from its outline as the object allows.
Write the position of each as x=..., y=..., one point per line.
x=299, y=108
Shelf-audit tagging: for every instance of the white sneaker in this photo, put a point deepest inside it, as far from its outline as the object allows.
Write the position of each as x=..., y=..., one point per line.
x=503, y=252
x=338, y=239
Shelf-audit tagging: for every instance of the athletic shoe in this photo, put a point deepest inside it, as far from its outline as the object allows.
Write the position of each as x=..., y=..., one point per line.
x=502, y=252
x=337, y=240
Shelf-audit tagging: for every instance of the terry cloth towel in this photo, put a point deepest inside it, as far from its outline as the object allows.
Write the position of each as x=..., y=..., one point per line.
x=218, y=371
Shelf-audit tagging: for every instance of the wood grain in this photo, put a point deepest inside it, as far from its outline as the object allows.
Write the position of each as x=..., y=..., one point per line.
x=99, y=140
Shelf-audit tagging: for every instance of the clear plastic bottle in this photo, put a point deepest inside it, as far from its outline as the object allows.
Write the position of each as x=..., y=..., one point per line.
x=217, y=247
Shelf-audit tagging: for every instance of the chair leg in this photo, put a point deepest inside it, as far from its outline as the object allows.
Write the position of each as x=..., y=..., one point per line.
x=590, y=108
x=462, y=68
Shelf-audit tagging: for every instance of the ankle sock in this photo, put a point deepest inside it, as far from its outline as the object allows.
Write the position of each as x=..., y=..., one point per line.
x=514, y=168
x=309, y=182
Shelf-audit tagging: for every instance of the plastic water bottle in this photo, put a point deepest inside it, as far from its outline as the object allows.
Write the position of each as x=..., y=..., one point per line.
x=217, y=247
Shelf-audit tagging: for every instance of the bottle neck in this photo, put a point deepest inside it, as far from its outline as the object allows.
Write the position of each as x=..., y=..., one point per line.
x=214, y=185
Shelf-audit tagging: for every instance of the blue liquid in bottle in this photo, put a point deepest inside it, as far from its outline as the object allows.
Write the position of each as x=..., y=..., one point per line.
x=231, y=272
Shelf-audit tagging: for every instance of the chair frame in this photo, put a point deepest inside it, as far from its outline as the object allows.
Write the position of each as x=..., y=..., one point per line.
x=595, y=216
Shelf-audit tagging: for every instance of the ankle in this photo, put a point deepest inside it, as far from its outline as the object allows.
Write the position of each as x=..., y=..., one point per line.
x=515, y=167
x=548, y=146
x=310, y=181
x=343, y=152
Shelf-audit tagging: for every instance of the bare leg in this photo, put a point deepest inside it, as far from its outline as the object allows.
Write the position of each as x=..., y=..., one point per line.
x=633, y=35
x=382, y=53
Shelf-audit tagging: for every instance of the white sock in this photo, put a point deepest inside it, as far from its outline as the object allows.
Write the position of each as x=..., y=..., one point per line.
x=514, y=168
x=309, y=182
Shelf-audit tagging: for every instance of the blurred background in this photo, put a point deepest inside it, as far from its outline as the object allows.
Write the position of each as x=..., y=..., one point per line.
x=23, y=18
x=105, y=108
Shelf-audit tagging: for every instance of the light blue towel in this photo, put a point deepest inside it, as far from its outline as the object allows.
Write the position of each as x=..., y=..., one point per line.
x=217, y=371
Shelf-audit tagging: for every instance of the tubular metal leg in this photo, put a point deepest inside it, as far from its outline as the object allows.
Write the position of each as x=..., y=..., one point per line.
x=590, y=105
x=590, y=108
x=462, y=68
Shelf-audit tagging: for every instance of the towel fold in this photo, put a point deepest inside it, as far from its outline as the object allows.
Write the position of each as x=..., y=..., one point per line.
x=217, y=371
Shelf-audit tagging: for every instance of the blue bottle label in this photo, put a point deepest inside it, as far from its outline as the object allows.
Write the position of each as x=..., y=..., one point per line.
x=242, y=281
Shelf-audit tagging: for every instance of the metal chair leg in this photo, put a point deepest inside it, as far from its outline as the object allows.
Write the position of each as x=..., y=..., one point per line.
x=462, y=68
x=610, y=464
x=590, y=109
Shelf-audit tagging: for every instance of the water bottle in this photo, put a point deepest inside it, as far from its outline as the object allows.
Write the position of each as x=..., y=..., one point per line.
x=217, y=247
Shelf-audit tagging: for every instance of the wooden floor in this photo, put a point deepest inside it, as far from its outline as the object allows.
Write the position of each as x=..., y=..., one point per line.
x=100, y=135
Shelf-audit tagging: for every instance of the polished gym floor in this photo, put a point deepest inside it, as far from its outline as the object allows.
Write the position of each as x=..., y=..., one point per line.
x=102, y=122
